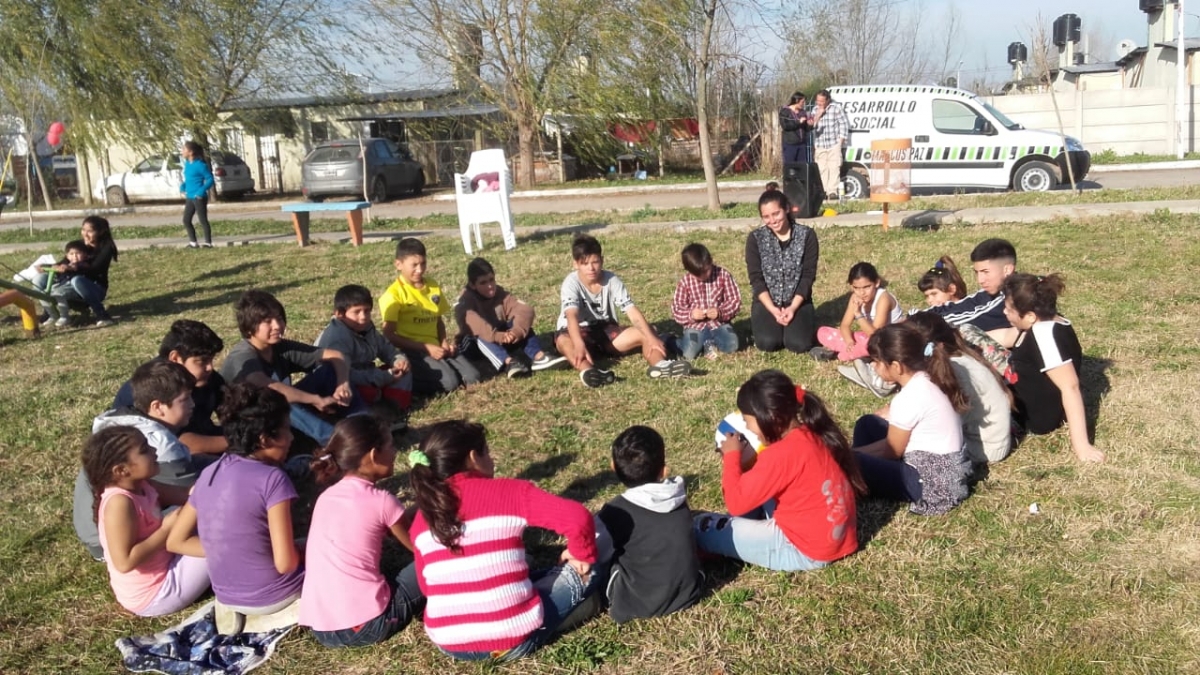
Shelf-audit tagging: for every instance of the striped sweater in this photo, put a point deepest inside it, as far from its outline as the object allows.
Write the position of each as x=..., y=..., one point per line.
x=482, y=600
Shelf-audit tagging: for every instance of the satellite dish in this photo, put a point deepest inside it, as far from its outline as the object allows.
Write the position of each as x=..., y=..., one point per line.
x=1124, y=47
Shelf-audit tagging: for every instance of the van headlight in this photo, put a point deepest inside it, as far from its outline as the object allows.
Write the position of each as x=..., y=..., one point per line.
x=1073, y=145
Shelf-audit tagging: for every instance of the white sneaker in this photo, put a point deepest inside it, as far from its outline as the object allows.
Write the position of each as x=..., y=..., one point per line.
x=547, y=362
x=669, y=369
x=62, y=322
x=103, y=323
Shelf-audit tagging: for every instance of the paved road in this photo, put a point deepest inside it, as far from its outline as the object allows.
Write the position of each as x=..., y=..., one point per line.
x=427, y=205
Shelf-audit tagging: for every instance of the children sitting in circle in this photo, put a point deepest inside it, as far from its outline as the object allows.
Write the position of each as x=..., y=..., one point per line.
x=794, y=507
x=147, y=579
x=871, y=306
x=912, y=451
x=345, y=599
x=239, y=512
x=706, y=300
x=1046, y=362
x=482, y=601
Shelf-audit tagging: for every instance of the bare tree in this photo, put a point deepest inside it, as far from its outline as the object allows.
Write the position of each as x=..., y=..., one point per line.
x=856, y=42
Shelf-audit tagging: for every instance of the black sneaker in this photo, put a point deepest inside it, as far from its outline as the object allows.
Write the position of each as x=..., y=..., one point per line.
x=594, y=377
x=820, y=353
x=669, y=369
x=517, y=369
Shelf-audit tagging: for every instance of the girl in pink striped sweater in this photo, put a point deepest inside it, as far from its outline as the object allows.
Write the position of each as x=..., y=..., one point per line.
x=483, y=603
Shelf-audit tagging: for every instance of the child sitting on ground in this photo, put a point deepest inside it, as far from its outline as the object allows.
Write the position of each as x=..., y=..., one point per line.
x=482, y=602
x=870, y=304
x=240, y=509
x=147, y=579
x=265, y=358
x=500, y=325
x=798, y=494
x=162, y=405
x=60, y=276
x=192, y=345
x=1046, y=362
x=352, y=333
x=915, y=453
x=588, y=329
x=706, y=300
x=346, y=600
x=654, y=570
x=412, y=309
x=942, y=284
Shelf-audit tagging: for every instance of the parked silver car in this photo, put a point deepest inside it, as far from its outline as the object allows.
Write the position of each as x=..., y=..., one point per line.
x=336, y=168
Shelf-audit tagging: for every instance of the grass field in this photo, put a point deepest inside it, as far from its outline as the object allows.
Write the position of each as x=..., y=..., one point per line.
x=1105, y=579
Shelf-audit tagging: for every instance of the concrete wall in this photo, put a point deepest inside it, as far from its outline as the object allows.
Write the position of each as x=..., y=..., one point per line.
x=1126, y=121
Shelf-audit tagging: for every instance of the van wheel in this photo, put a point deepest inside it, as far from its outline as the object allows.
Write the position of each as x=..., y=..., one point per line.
x=1034, y=177
x=115, y=196
x=378, y=190
x=856, y=185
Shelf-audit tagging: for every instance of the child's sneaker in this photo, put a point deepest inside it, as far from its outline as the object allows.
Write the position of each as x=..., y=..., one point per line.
x=516, y=368
x=820, y=353
x=547, y=362
x=711, y=352
x=62, y=322
x=594, y=377
x=669, y=369
x=104, y=323
x=865, y=376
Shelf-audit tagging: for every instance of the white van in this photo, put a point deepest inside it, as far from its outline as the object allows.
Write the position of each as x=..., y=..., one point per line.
x=958, y=141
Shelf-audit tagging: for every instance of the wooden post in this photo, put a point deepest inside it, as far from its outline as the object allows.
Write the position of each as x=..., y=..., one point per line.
x=300, y=223
x=355, y=220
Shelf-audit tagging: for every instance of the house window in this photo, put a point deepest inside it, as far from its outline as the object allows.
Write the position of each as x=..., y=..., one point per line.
x=320, y=131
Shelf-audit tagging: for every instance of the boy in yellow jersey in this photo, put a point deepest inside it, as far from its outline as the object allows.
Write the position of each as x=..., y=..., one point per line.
x=412, y=309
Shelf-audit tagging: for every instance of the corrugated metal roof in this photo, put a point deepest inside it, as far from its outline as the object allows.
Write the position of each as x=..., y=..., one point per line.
x=349, y=99
x=474, y=110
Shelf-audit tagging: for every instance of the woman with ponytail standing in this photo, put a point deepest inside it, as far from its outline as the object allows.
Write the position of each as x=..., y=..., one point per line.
x=914, y=453
x=346, y=600
x=798, y=493
x=483, y=603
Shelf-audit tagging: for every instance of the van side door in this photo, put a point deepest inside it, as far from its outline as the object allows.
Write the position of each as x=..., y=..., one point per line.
x=965, y=146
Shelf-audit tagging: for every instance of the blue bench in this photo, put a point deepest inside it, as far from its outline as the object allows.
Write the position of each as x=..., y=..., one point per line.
x=301, y=210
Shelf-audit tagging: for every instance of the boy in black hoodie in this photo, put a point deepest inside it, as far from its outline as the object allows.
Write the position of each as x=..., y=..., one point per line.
x=654, y=566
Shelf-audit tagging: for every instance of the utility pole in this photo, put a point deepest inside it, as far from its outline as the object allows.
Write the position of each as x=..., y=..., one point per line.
x=1181, y=110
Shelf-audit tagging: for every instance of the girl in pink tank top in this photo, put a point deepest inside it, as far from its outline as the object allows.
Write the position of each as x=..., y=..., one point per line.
x=147, y=579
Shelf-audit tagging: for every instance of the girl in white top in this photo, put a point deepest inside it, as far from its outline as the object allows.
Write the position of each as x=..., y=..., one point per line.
x=871, y=305
x=913, y=450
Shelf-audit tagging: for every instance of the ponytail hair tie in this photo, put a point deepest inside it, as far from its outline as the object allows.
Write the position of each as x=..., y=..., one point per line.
x=800, y=394
x=327, y=457
x=928, y=349
x=417, y=458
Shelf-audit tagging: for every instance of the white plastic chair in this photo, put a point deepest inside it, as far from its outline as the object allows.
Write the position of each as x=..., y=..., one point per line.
x=476, y=208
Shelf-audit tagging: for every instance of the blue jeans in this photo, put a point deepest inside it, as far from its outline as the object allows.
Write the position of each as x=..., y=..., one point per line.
x=891, y=479
x=754, y=538
x=407, y=601
x=82, y=287
x=307, y=420
x=561, y=590
x=496, y=354
x=723, y=336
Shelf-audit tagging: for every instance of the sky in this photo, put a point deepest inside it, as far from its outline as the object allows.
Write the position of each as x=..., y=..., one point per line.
x=988, y=27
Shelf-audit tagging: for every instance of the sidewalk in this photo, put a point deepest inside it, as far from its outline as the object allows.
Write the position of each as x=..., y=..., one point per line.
x=13, y=213
x=907, y=219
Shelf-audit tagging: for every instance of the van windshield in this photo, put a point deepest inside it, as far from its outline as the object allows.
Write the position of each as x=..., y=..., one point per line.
x=1002, y=118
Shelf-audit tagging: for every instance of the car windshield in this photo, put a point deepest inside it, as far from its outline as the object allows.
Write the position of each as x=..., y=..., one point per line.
x=332, y=154
x=1002, y=118
x=220, y=158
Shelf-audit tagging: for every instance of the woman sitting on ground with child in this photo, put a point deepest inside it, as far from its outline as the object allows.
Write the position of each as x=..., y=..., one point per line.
x=797, y=494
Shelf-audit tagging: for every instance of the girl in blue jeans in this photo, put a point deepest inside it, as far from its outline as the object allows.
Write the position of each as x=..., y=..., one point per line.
x=797, y=495
x=90, y=284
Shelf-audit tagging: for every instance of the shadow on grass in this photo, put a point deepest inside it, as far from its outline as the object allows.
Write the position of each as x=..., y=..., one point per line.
x=168, y=304
x=1094, y=382
x=873, y=516
x=829, y=313
x=550, y=232
x=233, y=271
x=547, y=468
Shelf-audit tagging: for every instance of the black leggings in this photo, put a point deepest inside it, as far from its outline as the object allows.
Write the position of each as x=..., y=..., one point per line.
x=198, y=207
x=798, y=336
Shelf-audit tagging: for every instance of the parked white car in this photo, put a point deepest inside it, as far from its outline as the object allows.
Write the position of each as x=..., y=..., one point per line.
x=158, y=178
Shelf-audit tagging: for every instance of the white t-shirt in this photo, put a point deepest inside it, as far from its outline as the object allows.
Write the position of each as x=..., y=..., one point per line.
x=922, y=409
x=895, y=314
x=602, y=307
x=987, y=434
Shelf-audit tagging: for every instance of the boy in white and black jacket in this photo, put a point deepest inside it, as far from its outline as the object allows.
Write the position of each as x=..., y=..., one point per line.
x=655, y=570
